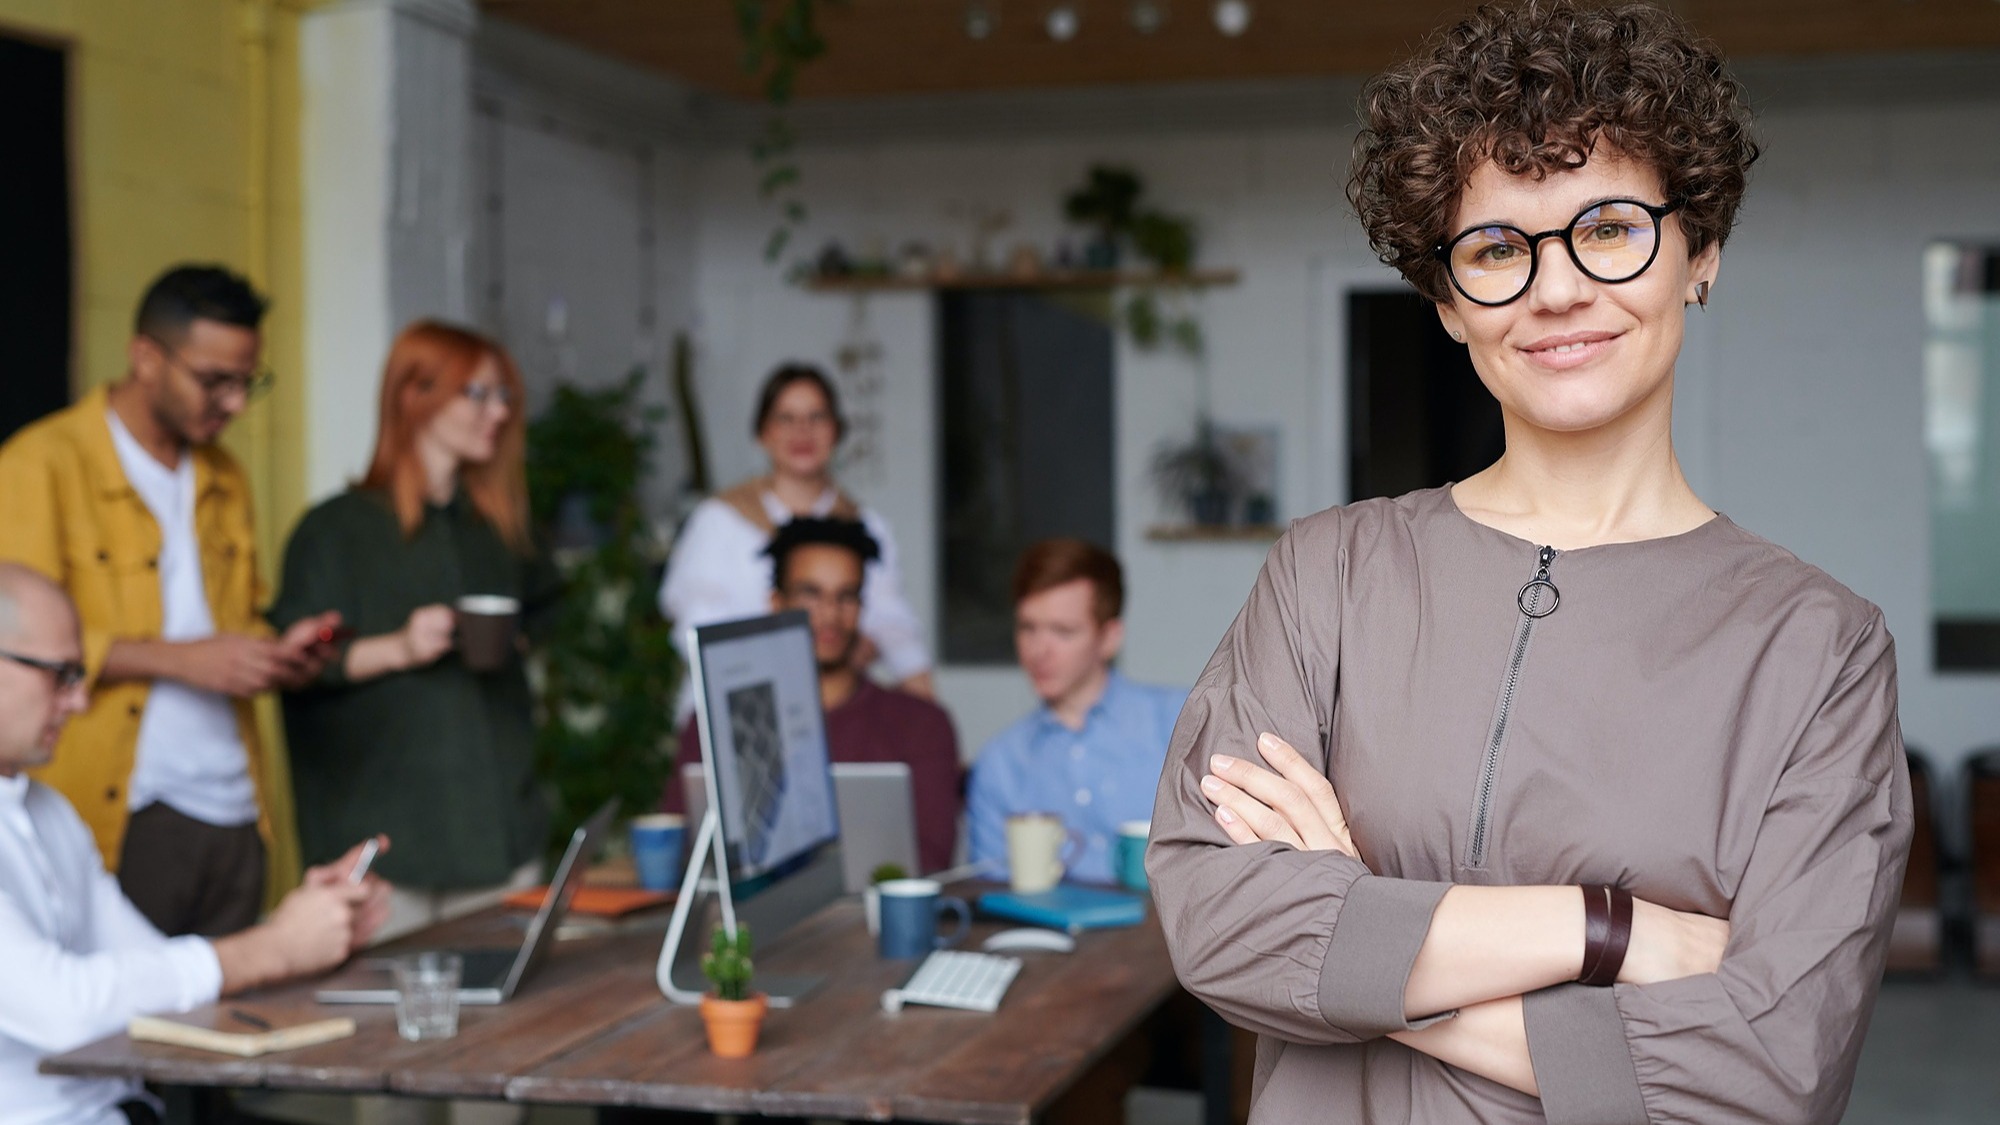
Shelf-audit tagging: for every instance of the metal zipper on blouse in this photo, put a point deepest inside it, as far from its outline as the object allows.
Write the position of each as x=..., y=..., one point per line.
x=1538, y=598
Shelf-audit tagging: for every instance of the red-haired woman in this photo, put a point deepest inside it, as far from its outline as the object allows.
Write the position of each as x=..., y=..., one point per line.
x=399, y=734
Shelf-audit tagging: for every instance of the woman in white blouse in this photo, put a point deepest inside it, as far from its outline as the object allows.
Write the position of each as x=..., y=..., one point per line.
x=719, y=572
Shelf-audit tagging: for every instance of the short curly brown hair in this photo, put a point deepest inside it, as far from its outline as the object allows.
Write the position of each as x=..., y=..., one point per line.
x=1533, y=87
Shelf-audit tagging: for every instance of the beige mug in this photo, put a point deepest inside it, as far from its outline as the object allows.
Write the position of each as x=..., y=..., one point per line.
x=1039, y=848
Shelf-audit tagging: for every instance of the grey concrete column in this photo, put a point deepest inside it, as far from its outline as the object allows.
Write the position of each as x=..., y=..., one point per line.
x=386, y=138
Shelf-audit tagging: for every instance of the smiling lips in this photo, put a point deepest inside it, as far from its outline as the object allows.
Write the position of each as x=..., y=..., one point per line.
x=1571, y=349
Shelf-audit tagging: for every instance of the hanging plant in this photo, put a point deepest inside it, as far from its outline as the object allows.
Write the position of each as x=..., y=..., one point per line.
x=779, y=38
x=1155, y=314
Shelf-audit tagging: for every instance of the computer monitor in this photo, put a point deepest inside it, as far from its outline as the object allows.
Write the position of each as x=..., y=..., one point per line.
x=757, y=712
x=770, y=836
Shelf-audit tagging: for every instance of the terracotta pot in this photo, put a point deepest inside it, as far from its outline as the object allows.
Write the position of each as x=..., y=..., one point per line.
x=733, y=1024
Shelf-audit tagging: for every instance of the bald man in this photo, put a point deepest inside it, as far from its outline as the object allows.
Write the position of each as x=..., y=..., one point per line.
x=77, y=960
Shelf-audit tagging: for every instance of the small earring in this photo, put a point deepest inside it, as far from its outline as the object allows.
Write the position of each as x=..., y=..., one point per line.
x=1701, y=294
x=1458, y=337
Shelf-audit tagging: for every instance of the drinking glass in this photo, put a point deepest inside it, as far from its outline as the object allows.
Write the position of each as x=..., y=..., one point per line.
x=427, y=995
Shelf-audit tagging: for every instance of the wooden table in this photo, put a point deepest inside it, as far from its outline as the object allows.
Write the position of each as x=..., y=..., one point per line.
x=590, y=1028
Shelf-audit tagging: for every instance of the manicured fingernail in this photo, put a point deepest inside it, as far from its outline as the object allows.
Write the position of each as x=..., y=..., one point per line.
x=1268, y=741
x=1209, y=784
x=1225, y=816
x=1221, y=763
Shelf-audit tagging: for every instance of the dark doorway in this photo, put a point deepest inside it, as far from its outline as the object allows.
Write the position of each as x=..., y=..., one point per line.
x=1417, y=415
x=35, y=281
x=1025, y=446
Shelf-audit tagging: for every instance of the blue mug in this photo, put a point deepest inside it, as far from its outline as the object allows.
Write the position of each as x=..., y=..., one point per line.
x=657, y=842
x=1131, y=858
x=910, y=909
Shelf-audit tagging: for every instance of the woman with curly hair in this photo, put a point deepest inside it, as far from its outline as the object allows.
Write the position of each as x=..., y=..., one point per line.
x=1552, y=794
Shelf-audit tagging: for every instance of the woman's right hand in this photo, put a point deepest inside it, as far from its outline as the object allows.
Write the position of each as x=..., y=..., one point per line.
x=427, y=634
x=1669, y=944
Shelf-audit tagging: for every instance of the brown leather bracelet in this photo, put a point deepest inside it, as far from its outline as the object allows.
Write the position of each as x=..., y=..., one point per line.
x=1612, y=956
x=1596, y=928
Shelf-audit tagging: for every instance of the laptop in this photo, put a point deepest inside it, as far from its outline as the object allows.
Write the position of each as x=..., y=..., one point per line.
x=878, y=816
x=492, y=976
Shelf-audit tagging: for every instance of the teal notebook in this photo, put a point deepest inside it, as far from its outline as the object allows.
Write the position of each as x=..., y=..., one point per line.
x=1069, y=908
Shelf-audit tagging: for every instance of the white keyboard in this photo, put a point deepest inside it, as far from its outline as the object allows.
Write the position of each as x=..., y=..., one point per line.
x=953, y=978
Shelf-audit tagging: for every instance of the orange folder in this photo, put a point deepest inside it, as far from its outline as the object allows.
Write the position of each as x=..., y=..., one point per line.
x=607, y=902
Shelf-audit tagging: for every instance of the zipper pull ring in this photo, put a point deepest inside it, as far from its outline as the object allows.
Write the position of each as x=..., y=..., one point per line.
x=1539, y=597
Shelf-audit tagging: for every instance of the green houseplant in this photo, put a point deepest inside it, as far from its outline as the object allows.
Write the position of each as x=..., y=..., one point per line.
x=1196, y=475
x=779, y=38
x=731, y=1012
x=607, y=671
x=1106, y=201
x=1155, y=313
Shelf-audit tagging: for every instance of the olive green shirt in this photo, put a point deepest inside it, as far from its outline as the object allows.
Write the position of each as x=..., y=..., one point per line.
x=441, y=757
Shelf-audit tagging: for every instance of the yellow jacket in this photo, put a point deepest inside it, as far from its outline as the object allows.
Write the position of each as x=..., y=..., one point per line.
x=67, y=510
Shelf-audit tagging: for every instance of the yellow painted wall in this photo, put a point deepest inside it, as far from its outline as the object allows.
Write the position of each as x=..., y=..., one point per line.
x=184, y=147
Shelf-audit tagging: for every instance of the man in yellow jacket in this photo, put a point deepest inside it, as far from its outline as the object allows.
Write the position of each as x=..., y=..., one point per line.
x=126, y=501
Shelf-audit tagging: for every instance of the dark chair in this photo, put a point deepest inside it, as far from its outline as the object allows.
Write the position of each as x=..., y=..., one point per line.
x=1916, y=944
x=1982, y=796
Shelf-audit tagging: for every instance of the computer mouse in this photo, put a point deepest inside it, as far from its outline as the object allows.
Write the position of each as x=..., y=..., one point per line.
x=1029, y=937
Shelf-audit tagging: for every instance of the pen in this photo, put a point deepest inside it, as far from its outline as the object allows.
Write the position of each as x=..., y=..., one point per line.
x=258, y=1022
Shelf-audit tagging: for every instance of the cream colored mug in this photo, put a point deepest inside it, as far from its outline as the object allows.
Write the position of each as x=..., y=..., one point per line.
x=1036, y=847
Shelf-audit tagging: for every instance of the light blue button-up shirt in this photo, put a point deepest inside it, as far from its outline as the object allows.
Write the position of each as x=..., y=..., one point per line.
x=1095, y=778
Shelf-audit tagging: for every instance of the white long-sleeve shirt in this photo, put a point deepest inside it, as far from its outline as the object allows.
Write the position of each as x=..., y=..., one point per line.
x=719, y=573
x=77, y=961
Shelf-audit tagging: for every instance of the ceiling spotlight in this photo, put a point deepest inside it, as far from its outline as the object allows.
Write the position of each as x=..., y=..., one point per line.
x=1148, y=15
x=1062, y=23
x=1232, y=17
x=981, y=17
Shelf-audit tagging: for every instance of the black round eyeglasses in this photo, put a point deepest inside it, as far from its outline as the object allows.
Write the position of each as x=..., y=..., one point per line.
x=1613, y=241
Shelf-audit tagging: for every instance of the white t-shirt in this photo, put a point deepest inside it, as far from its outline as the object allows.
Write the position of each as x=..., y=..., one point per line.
x=190, y=755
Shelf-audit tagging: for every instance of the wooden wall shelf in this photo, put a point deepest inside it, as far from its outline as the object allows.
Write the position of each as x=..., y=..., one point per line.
x=1052, y=279
x=1210, y=533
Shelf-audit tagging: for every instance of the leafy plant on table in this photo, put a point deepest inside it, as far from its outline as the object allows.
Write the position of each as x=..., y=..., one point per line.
x=727, y=964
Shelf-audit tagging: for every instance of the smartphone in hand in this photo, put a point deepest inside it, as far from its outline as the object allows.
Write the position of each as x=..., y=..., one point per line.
x=333, y=634
x=361, y=865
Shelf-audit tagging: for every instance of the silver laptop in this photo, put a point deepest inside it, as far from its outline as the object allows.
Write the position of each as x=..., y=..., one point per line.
x=878, y=816
x=491, y=976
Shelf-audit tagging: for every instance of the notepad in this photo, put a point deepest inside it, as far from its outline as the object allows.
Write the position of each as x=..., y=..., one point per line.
x=1069, y=908
x=215, y=1030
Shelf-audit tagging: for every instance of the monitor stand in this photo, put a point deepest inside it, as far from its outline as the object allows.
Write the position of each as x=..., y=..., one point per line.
x=769, y=913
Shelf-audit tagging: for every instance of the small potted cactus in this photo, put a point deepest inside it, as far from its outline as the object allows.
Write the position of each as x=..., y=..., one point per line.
x=732, y=1013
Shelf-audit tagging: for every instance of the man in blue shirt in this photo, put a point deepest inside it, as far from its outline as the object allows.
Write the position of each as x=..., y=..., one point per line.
x=1092, y=752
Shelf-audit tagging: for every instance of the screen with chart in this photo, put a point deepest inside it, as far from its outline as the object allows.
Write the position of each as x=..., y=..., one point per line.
x=762, y=730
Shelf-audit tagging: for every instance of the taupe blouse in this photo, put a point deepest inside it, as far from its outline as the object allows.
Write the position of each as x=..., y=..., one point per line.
x=1703, y=720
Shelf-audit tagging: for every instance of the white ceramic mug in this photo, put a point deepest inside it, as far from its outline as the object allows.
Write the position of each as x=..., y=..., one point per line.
x=1036, y=847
